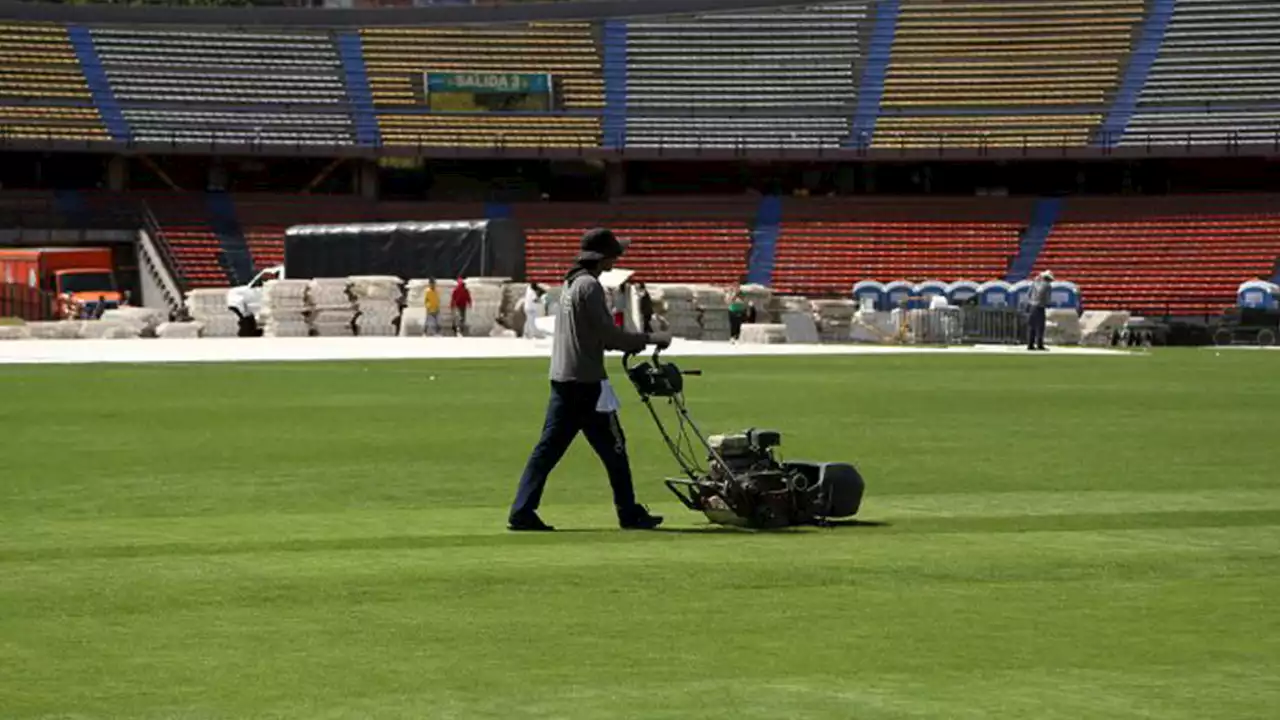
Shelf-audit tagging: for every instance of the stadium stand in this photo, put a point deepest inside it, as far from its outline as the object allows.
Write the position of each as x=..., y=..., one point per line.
x=40, y=70
x=397, y=59
x=1181, y=256
x=278, y=87
x=1216, y=78
x=824, y=247
x=1007, y=74
x=785, y=78
x=687, y=239
x=191, y=241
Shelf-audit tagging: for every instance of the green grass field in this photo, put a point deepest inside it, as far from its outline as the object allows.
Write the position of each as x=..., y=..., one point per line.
x=1064, y=538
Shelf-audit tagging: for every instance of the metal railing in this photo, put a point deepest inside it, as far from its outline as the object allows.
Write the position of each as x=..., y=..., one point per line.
x=1232, y=143
x=163, y=253
x=318, y=4
x=28, y=303
x=154, y=260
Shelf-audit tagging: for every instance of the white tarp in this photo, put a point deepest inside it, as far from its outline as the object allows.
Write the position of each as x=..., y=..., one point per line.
x=1062, y=327
x=1097, y=327
x=800, y=327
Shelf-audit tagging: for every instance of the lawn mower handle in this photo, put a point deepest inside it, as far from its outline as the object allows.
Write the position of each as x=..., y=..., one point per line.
x=657, y=351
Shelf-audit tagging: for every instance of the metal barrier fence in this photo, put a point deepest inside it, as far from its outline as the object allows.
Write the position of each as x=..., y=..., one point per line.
x=994, y=325
x=27, y=303
x=963, y=325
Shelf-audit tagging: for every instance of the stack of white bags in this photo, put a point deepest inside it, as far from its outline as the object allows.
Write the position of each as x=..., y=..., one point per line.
x=331, y=311
x=713, y=314
x=781, y=304
x=834, y=318
x=675, y=303
x=486, y=305
x=414, y=318
x=377, y=304
x=284, y=309
x=54, y=330
x=178, y=330
x=208, y=307
x=138, y=321
x=764, y=333
x=762, y=298
x=512, y=312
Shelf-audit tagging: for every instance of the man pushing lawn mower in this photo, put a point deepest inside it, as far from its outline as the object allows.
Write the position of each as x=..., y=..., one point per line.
x=581, y=398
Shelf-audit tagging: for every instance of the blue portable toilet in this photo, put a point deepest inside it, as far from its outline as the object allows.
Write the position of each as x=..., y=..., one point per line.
x=1018, y=293
x=1258, y=294
x=870, y=289
x=1064, y=295
x=961, y=290
x=993, y=293
x=897, y=293
x=924, y=292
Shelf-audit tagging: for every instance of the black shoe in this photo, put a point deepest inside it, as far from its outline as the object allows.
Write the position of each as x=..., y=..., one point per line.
x=529, y=522
x=637, y=517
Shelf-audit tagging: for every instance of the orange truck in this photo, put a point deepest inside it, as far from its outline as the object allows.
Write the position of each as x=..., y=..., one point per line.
x=78, y=277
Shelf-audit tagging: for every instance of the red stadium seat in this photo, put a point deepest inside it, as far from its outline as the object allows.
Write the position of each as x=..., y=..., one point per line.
x=1181, y=256
x=825, y=247
x=686, y=240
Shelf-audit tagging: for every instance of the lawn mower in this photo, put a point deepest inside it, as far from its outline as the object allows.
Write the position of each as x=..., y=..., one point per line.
x=744, y=483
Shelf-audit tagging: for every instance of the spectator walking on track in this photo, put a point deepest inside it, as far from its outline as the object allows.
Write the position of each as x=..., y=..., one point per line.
x=431, y=298
x=459, y=302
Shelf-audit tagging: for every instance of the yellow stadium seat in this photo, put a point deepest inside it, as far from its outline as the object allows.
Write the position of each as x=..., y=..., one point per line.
x=1023, y=54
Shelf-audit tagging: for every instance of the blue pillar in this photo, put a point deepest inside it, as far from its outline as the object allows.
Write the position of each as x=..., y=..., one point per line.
x=99, y=84
x=1135, y=75
x=1043, y=217
x=764, y=240
x=364, y=117
x=615, y=83
x=226, y=225
x=871, y=89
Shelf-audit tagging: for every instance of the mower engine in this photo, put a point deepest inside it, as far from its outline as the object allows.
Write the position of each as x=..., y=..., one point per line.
x=746, y=484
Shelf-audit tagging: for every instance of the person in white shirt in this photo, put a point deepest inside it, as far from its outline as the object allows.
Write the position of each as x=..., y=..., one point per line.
x=1038, y=299
x=532, y=310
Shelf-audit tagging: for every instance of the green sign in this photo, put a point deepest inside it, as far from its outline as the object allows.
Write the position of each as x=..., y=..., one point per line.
x=477, y=82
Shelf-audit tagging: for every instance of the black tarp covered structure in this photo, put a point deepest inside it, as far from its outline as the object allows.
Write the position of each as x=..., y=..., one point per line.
x=406, y=249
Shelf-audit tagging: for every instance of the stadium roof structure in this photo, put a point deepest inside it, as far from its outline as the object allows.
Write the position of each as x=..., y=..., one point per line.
x=254, y=15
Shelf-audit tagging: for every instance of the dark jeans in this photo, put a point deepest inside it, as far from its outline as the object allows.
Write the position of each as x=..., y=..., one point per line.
x=572, y=409
x=1035, y=328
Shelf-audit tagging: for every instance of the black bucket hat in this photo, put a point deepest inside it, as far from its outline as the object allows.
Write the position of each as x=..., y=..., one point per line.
x=601, y=244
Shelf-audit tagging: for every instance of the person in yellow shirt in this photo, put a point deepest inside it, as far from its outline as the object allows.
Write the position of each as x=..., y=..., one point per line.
x=432, y=300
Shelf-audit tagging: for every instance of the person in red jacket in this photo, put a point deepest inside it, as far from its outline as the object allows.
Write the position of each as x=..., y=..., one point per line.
x=459, y=301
